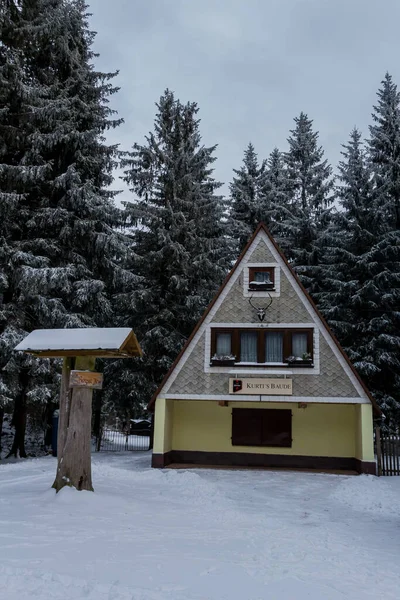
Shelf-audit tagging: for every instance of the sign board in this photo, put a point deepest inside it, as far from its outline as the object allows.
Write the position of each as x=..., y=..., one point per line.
x=86, y=379
x=261, y=387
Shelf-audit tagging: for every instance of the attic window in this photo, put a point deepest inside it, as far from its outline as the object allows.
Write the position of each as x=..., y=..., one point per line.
x=261, y=279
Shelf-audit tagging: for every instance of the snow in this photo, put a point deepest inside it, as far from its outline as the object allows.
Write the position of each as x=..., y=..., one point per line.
x=94, y=338
x=149, y=534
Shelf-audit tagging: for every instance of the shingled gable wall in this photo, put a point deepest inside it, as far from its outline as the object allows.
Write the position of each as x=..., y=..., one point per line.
x=329, y=380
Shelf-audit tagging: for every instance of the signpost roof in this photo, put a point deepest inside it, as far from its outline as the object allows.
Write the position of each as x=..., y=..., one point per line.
x=105, y=342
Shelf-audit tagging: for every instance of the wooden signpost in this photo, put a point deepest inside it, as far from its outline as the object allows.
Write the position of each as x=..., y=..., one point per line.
x=79, y=348
x=86, y=379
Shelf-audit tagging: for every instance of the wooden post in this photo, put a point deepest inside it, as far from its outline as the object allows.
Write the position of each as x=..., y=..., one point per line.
x=65, y=405
x=74, y=447
x=378, y=449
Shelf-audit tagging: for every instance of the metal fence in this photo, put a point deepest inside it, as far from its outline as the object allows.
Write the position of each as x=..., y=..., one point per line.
x=111, y=440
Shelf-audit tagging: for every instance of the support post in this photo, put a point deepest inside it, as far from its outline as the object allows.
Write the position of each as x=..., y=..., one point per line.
x=74, y=442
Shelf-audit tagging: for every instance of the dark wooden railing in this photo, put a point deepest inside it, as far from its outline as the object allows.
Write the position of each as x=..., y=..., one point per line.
x=388, y=453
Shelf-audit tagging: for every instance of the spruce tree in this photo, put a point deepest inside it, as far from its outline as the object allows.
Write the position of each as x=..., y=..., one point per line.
x=361, y=291
x=382, y=345
x=346, y=268
x=15, y=176
x=247, y=198
x=276, y=191
x=179, y=253
x=63, y=255
x=309, y=187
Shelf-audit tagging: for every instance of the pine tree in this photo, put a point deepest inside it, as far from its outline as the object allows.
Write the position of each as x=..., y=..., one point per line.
x=276, y=191
x=361, y=277
x=346, y=268
x=247, y=198
x=309, y=186
x=382, y=346
x=63, y=254
x=384, y=151
x=179, y=253
x=15, y=176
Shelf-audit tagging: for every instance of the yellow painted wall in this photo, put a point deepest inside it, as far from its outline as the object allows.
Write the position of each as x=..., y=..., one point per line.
x=318, y=430
x=163, y=426
x=364, y=432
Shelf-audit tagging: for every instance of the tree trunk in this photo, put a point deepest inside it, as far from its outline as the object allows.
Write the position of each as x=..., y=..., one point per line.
x=65, y=405
x=19, y=422
x=74, y=439
x=48, y=423
x=19, y=418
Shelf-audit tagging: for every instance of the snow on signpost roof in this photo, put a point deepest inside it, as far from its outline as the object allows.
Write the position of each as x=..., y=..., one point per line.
x=95, y=341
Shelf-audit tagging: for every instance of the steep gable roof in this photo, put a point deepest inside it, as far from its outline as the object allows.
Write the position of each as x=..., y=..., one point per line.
x=262, y=227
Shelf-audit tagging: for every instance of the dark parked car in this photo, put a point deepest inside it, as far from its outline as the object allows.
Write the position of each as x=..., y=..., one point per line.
x=140, y=427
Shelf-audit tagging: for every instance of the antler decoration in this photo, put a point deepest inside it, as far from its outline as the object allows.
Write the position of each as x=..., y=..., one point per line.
x=261, y=311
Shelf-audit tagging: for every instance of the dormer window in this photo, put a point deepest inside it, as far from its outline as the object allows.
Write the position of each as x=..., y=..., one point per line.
x=261, y=279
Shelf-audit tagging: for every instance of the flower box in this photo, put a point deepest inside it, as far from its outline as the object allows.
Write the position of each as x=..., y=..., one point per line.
x=261, y=286
x=303, y=363
x=223, y=361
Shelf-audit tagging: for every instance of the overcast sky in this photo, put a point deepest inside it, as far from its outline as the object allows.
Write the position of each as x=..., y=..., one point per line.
x=251, y=65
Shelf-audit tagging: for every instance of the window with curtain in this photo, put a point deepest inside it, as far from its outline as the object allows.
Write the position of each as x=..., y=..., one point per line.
x=223, y=344
x=263, y=346
x=248, y=346
x=299, y=344
x=262, y=276
x=274, y=346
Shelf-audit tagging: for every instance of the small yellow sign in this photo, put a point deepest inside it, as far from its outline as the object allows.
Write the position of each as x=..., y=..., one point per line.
x=86, y=379
x=261, y=387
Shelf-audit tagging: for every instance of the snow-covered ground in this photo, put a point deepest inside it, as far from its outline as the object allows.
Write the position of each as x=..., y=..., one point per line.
x=195, y=535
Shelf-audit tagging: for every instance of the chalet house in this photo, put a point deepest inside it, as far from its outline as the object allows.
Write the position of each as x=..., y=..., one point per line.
x=262, y=381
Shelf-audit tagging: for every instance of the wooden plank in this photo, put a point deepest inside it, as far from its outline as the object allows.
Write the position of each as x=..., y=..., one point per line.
x=378, y=449
x=86, y=379
x=398, y=455
x=394, y=450
x=391, y=455
x=73, y=353
x=131, y=346
x=65, y=399
x=387, y=446
x=383, y=446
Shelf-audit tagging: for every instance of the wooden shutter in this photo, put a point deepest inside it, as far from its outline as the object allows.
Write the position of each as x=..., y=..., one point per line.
x=262, y=427
x=276, y=428
x=246, y=427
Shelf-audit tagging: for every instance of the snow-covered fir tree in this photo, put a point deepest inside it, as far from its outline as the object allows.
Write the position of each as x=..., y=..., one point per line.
x=11, y=151
x=309, y=186
x=62, y=252
x=247, y=198
x=179, y=252
x=382, y=346
x=360, y=292
x=345, y=270
x=276, y=191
